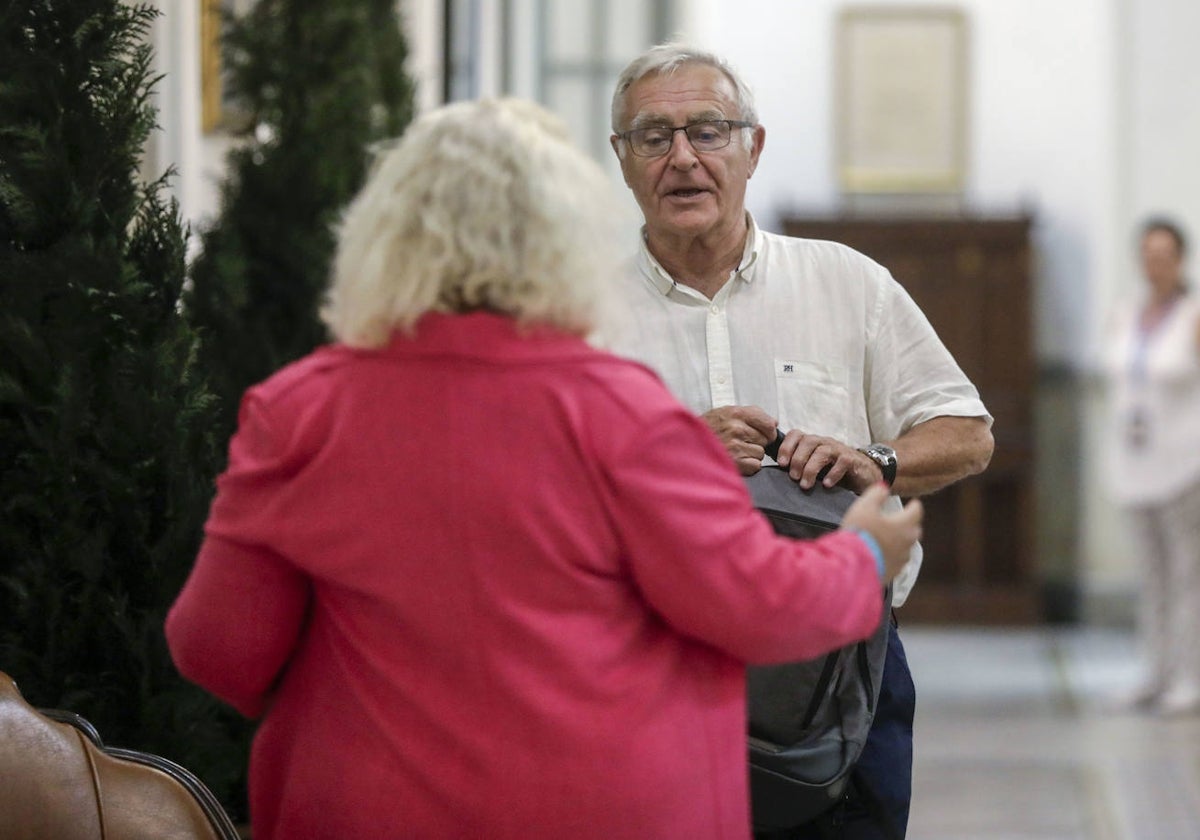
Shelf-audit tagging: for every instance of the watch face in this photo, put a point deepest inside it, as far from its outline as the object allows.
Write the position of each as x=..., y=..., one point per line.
x=882, y=451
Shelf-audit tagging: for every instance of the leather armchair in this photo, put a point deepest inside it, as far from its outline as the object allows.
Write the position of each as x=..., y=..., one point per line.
x=61, y=782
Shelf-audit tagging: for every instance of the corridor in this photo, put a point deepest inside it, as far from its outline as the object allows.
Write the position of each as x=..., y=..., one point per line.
x=1016, y=740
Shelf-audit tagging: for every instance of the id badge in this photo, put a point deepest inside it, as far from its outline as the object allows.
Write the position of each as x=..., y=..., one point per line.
x=1137, y=429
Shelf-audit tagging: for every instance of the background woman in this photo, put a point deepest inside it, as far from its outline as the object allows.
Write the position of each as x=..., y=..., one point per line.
x=1154, y=348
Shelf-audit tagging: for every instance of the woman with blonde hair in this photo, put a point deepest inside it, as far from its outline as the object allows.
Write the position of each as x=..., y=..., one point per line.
x=478, y=578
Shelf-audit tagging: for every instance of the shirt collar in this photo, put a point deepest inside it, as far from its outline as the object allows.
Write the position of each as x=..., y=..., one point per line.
x=664, y=282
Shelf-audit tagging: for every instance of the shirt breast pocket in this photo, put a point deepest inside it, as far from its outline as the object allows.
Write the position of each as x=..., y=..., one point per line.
x=813, y=397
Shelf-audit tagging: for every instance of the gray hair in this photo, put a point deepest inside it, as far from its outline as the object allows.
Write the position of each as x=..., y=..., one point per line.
x=480, y=205
x=666, y=59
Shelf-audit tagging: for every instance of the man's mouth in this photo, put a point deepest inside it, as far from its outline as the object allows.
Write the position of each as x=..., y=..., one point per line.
x=687, y=192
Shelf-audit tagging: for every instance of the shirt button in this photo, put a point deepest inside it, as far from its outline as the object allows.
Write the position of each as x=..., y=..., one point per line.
x=715, y=309
x=720, y=380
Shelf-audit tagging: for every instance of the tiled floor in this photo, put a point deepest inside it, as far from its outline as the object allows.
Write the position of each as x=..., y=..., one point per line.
x=1016, y=740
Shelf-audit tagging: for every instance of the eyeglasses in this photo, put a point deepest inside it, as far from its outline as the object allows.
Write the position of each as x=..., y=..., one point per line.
x=705, y=136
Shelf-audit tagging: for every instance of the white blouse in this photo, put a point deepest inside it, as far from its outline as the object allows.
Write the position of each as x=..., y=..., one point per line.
x=1155, y=403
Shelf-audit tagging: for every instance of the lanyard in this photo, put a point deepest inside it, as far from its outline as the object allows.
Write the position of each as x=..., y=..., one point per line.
x=1144, y=335
x=1138, y=426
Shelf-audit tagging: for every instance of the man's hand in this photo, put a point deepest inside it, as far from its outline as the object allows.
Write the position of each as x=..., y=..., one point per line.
x=745, y=430
x=812, y=458
x=931, y=455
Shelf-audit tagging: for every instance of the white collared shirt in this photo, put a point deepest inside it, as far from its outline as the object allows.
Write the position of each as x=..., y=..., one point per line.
x=816, y=334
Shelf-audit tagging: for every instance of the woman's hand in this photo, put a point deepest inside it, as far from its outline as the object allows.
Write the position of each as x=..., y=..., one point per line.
x=896, y=531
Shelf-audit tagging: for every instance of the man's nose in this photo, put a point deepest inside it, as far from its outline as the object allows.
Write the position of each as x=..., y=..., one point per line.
x=681, y=155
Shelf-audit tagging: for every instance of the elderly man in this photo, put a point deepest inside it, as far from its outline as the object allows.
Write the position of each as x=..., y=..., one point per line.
x=759, y=332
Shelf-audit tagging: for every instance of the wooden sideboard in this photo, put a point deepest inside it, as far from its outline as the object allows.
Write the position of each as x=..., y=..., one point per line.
x=972, y=278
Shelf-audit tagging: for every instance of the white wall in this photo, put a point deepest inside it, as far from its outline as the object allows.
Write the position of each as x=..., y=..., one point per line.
x=198, y=158
x=1163, y=119
x=176, y=38
x=423, y=33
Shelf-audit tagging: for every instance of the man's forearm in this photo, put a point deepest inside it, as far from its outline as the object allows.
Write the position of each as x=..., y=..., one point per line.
x=939, y=452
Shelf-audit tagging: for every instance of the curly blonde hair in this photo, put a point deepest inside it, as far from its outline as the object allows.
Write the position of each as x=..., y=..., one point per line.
x=480, y=205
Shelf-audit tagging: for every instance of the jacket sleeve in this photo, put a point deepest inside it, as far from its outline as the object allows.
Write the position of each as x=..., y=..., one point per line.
x=236, y=622
x=712, y=566
x=238, y=618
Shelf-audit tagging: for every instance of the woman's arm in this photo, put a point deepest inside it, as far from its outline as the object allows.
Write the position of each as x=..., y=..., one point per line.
x=236, y=622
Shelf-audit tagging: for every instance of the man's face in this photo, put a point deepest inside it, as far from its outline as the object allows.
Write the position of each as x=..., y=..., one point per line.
x=685, y=192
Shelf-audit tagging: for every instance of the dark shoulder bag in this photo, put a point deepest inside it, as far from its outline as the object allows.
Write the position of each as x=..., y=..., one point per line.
x=808, y=721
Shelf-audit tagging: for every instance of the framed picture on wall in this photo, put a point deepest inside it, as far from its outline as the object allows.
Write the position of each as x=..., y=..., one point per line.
x=217, y=111
x=901, y=99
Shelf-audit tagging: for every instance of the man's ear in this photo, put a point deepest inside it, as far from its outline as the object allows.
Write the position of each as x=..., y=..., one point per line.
x=756, y=147
x=615, y=141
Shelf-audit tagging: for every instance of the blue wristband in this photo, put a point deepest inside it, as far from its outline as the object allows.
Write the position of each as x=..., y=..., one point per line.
x=875, y=550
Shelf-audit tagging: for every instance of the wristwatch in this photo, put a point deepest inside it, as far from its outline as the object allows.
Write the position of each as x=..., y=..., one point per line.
x=885, y=457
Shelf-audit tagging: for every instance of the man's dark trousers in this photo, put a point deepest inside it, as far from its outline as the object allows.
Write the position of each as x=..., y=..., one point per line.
x=884, y=768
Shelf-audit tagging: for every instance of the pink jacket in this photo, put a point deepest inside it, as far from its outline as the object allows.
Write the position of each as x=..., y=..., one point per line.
x=493, y=583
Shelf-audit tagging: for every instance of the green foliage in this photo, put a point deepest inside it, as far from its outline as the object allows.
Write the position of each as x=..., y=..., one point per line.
x=317, y=83
x=107, y=444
